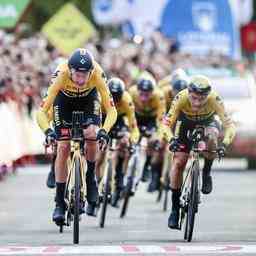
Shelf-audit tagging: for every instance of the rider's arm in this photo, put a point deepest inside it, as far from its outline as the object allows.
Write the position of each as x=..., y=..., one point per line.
x=161, y=110
x=170, y=119
x=42, y=115
x=130, y=113
x=228, y=124
x=107, y=101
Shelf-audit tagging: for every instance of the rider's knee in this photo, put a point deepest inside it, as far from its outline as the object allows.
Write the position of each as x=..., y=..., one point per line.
x=212, y=134
x=179, y=162
x=90, y=133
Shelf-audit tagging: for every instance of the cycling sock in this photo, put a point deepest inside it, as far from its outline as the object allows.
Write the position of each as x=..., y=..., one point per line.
x=148, y=161
x=119, y=173
x=60, y=190
x=90, y=166
x=207, y=166
x=156, y=167
x=156, y=173
x=119, y=164
x=176, y=193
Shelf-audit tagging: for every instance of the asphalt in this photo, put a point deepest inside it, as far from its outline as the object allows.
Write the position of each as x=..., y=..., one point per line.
x=225, y=224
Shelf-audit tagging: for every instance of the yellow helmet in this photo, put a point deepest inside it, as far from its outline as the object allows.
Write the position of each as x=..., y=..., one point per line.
x=200, y=84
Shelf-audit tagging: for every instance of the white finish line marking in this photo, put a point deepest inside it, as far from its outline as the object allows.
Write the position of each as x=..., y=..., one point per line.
x=128, y=249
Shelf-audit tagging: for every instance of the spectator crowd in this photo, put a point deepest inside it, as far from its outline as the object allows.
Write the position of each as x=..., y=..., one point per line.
x=27, y=62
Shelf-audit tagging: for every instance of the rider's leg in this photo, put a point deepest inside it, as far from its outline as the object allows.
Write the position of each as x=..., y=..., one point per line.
x=176, y=178
x=120, y=169
x=90, y=153
x=51, y=182
x=99, y=165
x=63, y=151
x=212, y=134
x=156, y=169
x=146, y=168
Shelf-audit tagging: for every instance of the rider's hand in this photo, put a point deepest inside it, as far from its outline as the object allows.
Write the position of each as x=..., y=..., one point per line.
x=103, y=138
x=221, y=151
x=50, y=136
x=174, y=145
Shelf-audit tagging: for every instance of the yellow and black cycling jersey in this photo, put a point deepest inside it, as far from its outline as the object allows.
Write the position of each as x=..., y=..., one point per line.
x=156, y=106
x=168, y=95
x=125, y=109
x=181, y=106
x=61, y=82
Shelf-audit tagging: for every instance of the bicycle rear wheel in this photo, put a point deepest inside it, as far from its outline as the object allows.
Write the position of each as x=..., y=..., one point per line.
x=192, y=203
x=76, y=201
x=106, y=194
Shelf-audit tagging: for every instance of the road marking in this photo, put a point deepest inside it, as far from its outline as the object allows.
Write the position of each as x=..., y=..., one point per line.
x=129, y=249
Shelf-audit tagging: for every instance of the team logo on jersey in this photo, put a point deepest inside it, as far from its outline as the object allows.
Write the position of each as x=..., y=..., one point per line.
x=96, y=107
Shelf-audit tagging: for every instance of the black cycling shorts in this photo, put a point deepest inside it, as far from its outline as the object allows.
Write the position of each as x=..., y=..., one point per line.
x=63, y=107
x=186, y=126
x=147, y=122
x=119, y=125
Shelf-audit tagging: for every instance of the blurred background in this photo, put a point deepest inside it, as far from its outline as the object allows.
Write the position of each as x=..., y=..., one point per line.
x=212, y=37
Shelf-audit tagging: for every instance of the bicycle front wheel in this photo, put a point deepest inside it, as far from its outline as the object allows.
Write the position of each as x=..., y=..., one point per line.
x=106, y=194
x=76, y=201
x=128, y=189
x=166, y=191
x=192, y=203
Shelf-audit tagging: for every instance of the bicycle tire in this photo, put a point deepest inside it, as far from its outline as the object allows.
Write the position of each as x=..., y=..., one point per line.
x=165, y=204
x=128, y=190
x=166, y=192
x=193, y=203
x=76, y=202
x=159, y=194
x=106, y=193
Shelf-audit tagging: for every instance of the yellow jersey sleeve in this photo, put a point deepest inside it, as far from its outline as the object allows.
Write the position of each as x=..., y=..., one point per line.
x=99, y=80
x=161, y=106
x=228, y=124
x=42, y=115
x=170, y=119
x=129, y=111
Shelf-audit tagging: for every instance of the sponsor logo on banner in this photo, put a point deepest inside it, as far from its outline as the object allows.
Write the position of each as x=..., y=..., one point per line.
x=202, y=27
x=204, y=16
x=68, y=29
x=11, y=11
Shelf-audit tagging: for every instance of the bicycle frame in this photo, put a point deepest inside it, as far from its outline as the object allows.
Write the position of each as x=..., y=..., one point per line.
x=75, y=184
x=191, y=194
x=184, y=200
x=75, y=153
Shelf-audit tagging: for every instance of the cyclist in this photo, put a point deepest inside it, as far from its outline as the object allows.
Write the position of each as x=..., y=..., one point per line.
x=150, y=108
x=74, y=87
x=125, y=121
x=197, y=105
x=173, y=84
